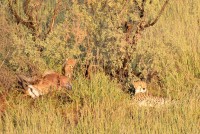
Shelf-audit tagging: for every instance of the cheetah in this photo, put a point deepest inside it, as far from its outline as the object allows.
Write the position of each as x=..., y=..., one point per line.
x=142, y=98
x=140, y=86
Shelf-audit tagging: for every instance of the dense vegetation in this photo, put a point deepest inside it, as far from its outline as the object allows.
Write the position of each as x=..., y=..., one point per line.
x=122, y=39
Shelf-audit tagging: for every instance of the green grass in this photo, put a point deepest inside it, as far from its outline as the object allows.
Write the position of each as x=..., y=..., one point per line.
x=101, y=108
x=170, y=47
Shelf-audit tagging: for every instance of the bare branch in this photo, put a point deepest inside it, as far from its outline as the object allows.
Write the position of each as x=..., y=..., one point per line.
x=142, y=24
x=137, y=4
x=57, y=9
x=25, y=7
x=140, y=8
x=160, y=13
x=125, y=3
x=142, y=11
x=30, y=9
x=18, y=18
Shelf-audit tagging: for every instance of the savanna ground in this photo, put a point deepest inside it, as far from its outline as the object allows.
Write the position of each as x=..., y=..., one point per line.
x=167, y=55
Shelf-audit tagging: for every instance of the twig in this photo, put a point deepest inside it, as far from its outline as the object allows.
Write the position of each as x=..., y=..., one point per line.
x=160, y=13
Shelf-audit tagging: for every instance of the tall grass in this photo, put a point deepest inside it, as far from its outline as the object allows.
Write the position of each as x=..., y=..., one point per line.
x=98, y=106
x=171, y=47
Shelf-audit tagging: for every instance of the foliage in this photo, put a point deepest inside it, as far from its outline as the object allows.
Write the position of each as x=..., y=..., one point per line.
x=166, y=55
x=105, y=32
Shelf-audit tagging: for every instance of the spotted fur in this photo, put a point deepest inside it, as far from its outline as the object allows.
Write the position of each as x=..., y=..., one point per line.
x=142, y=98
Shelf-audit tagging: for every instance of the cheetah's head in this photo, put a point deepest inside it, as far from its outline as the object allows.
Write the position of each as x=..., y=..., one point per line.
x=140, y=87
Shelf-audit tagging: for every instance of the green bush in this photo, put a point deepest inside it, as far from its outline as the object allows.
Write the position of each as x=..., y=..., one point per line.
x=167, y=55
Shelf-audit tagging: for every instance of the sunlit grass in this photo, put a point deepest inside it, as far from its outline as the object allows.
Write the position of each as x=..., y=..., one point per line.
x=98, y=106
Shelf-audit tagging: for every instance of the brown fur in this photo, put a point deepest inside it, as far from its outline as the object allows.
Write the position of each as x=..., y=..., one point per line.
x=50, y=82
x=24, y=81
